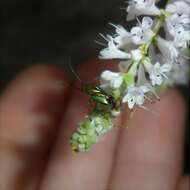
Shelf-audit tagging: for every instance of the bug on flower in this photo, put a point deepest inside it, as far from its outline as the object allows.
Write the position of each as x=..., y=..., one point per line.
x=98, y=95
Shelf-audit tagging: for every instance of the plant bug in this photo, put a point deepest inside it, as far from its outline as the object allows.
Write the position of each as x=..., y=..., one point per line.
x=96, y=93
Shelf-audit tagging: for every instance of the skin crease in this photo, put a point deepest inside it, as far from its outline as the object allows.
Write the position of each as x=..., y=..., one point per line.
x=38, y=113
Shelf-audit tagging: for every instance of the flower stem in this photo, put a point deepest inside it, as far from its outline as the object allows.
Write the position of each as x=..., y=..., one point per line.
x=159, y=23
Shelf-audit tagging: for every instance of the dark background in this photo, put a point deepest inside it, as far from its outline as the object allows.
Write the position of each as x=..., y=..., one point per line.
x=52, y=31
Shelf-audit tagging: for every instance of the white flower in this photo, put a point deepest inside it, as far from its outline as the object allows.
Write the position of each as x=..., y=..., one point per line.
x=159, y=72
x=136, y=55
x=175, y=24
x=174, y=21
x=167, y=48
x=180, y=16
x=112, y=51
x=122, y=36
x=135, y=95
x=111, y=79
x=178, y=7
x=141, y=7
x=143, y=33
x=181, y=37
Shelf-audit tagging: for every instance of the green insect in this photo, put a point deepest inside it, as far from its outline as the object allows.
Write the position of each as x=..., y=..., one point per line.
x=98, y=95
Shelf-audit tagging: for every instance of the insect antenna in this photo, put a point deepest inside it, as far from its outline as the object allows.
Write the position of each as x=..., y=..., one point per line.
x=71, y=84
x=74, y=73
x=100, y=43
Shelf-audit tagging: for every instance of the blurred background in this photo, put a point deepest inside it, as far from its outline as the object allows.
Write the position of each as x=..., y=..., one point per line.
x=52, y=31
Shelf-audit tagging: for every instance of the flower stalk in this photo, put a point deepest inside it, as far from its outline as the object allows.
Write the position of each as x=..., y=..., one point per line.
x=149, y=62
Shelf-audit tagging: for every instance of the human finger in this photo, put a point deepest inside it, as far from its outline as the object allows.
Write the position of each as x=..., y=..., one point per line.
x=30, y=111
x=149, y=153
x=81, y=171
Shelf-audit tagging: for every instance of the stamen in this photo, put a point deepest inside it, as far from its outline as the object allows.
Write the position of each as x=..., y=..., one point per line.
x=122, y=8
x=100, y=43
x=104, y=37
x=155, y=113
x=155, y=94
x=149, y=99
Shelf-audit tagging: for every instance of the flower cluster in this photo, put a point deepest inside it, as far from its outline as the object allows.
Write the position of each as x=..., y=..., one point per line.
x=149, y=56
x=153, y=54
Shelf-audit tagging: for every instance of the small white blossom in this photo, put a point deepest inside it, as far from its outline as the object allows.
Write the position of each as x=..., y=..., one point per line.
x=159, y=72
x=141, y=7
x=147, y=23
x=180, y=17
x=178, y=7
x=111, y=79
x=177, y=28
x=181, y=37
x=167, y=48
x=113, y=51
x=174, y=21
x=137, y=35
x=143, y=33
x=122, y=36
x=135, y=96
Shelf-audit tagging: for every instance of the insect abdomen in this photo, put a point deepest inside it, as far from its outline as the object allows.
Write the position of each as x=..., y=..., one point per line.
x=100, y=99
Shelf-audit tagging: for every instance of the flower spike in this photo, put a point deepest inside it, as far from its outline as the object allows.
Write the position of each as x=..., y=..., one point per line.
x=153, y=55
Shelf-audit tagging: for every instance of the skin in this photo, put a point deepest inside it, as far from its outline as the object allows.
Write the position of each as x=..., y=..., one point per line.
x=38, y=114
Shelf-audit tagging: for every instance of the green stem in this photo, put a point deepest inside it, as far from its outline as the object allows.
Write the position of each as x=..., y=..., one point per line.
x=156, y=31
x=159, y=23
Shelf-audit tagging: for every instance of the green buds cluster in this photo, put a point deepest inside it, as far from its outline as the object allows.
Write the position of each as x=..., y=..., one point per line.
x=90, y=130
